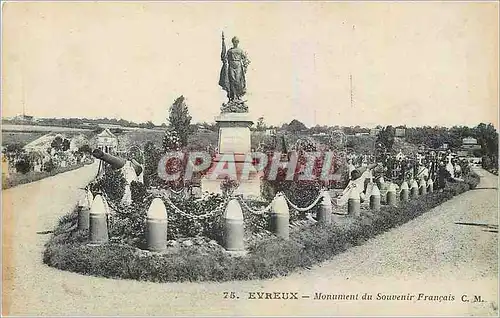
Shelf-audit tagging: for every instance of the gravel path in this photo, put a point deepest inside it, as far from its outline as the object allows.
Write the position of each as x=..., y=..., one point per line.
x=432, y=255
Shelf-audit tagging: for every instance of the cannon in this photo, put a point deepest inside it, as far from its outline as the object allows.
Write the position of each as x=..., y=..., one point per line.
x=116, y=163
x=131, y=170
x=137, y=167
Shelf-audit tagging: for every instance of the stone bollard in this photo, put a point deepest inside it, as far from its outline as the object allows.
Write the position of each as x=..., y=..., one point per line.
x=404, y=191
x=423, y=187
x=325, y=211
x=156, y=226
x=383, y=190
x=98, y=222
x=354, y=203
x=430, y=185
x=280, y=217
x=391, y=194
x=233, y=227
x=84, y=211
x=375, y=198
x=414, y=189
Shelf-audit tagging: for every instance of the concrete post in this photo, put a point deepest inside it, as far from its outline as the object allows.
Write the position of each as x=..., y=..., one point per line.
x=354, y=203
x=233, y=227
x=375, y=198
x=324, y=214
x=423, y=187
x=391, y=195
x=404, y=191
x=430, y=185
x=156, y=226
x=383, y=190
x=84, y=211
x=414, y=189
x=280, y=217
x=98, y=223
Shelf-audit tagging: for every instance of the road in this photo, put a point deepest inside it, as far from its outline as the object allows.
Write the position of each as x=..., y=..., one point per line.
x=449, y=251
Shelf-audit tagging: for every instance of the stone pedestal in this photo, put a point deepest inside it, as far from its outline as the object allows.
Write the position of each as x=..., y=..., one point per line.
x=234, y=133
x=234, y=144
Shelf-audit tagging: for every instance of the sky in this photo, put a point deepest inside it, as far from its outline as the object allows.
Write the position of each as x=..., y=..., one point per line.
x=412, y=63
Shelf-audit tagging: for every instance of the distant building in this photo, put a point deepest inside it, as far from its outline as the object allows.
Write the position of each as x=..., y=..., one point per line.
x=362, y=134
x=107, y=141
x=24, y=118
x=374, y=132
x=400, y=132
x=469, y=141
x=469, y=144
x=270, y=132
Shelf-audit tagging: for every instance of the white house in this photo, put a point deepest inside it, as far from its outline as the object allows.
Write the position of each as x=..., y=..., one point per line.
x=107, y=141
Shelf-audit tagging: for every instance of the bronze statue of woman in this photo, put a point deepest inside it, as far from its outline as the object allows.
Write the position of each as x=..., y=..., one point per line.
x=232, y=74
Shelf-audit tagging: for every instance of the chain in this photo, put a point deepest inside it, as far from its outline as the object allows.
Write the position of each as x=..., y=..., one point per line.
x=191, y=216
x=309, y=207
x=177, y=192
x=257, y=212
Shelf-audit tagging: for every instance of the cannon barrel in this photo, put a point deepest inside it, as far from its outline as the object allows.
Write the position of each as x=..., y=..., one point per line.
x=356, y=173
x=115, y=162
x=137, y=166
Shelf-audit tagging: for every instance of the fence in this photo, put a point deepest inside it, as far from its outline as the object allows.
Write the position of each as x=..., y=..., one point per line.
x=93, y=212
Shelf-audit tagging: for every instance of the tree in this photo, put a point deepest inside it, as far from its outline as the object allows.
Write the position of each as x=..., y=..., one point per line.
x=66, y=144
x=171, y=141
x=85, y=149
x=57, y=143
x=180, y=120
x=296, y=126
x=14, y=148
x=260, y=124
x=23, y=165
x=152, y=158
x=386, y=137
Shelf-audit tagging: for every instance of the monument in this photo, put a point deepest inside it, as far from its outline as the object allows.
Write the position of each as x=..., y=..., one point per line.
x=234, y=123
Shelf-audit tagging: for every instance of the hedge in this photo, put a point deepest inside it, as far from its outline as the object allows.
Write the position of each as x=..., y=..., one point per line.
x=67, y=249
x=16, y=179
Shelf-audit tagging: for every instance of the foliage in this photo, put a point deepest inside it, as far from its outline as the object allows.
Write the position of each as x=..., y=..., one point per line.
x=49, y=165
x=301, y=192
x=152, y=158
x=228, y=186
x=138, y=191
x=14, y=148
x=386, y=138
x=182, y=226
x=84, y=149
x=23, y=165
x=296, y=126
x=179, y=119
x=112, y=184
x=31, y=176
x=171, y=141
x=261, y=125
x=60, y=144
x=128, y=224
x=67, y=250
